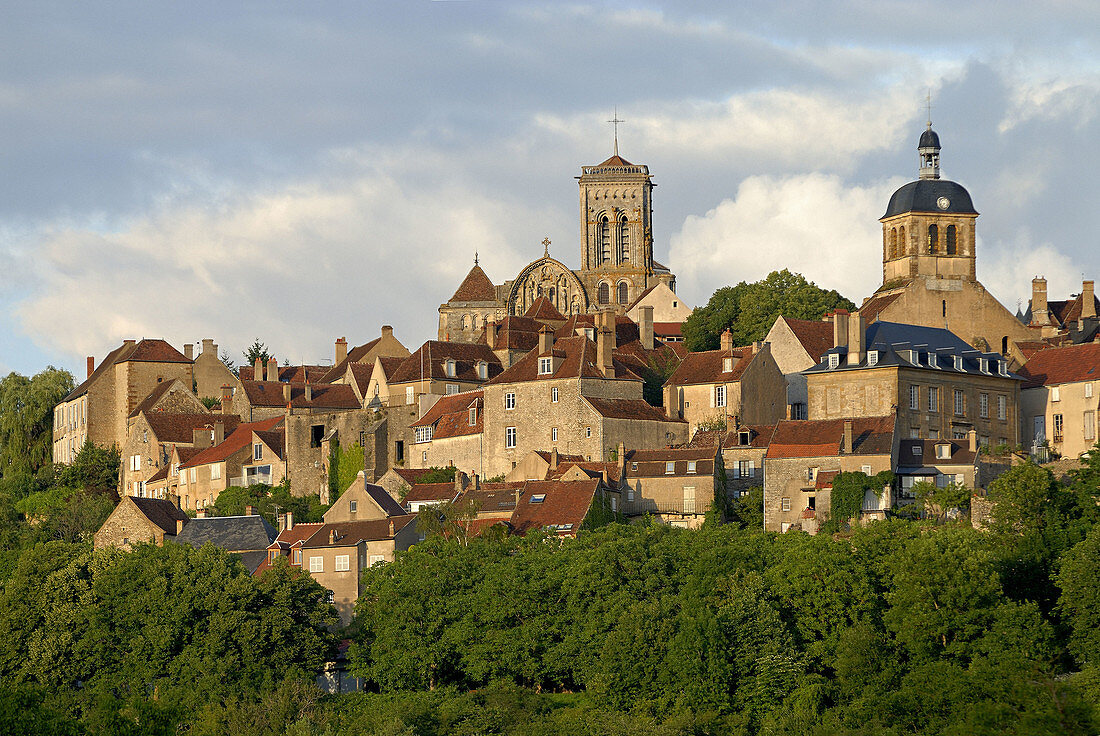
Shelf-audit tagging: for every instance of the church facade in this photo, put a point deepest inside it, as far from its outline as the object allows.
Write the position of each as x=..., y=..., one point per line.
x=616, y=264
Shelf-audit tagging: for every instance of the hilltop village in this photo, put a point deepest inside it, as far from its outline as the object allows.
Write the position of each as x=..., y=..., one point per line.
x=563, y=398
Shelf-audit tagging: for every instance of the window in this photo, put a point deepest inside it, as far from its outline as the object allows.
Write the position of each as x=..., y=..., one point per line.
x=1055, y=393
x=330, y=596
x=914, y=397
x=377, y=560
x=408, y=394
x=834, y=360
x=872, y=357
x=1090, y=425
x=866, y=469
x=537, y=498
x=554, y=395
x=423, y=434
x=933, y=238
x=951, y=247
x=546, y=366
x=785, y=505
x=1057, y=427
x=192, y=475
x=482, y=370
x=689, y=499
x=257, y=452
x=933, y=398
x=1088, y=390
x=135, y=462
x=943, y=452
x=727, y=365
x=510, y=437
x=744, y=469
x=553, y=434
x=1002, y=407
x=603, y=294
x=587, y=431
x=317, y=433
x=452, y=389
x=449, y=367
x=622, y=292
x=933, y=434
x=960, y=403
x=670, y=467
x=629, y=494
x=983, y=406
x=399, y=450
x=510, y=400
x=917, y=450
x=343, y=563
x=215, y=471
x=353, y=506
x=424, y=457
x=691, y=466
x=473, y=416
x=719, y=395
x=316, y=564
x=957, y=435
x=624, y=240
x=811, y=474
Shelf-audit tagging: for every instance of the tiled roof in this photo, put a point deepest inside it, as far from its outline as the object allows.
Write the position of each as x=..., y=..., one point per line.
x=514, y=333
x=450, y=416
x=907, y=458
x=1028, y=348
x=873, y=307
x=654, y=463
x=576, y=357
x=641, y=296
x=429, y=361
x=390, y=364
x=384, y=500
x=708, y=366
x=352, y=532
x=424, y=492
x=412, y=475
x=146, y=350
x=825, y=479
x=563, y=508
x=154, y=396
x=161, y=474
x=164, y=514
x=759, y=436
x=615, y=160
x=815, y=336
x=591, y=469
x=1068, y=364
x=476, y=287
x=543, y=309
x=186, y=453
x=231, y=533
x=668, y=329
x=355, y=355
x=626, y=329
x=238, y=440
x=180, y=428
x=628, y=409
x=288, y=373
x=360, y=374
x=562, y=457
x=824, y=437
x=325, y=395
x=275, y=439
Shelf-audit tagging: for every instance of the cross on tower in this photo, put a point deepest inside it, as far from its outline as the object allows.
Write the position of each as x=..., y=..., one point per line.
x=615, y=122
x=545, y=247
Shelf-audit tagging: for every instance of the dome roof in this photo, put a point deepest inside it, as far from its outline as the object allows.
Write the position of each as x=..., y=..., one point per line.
x=927, y=195
x=929, y=139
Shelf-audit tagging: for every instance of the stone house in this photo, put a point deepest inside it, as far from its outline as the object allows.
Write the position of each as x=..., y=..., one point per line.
x=675, y=486
x=938, y=385
x=801, y=454
x=742, y=450
x=1058, y=399
x=1072, y=320
x=398, y=480
x=363, y=501
x=798, y=344
x=429, y=494
x=716, y=386
x=386, y=345
x=939, y=462
x=140, y=520
x=378, y=383
x=149, y=442
x=251, y=454
x=450, y=434
x=541, y=465
x=560, y=507
x=668, y=307
x=210, y=373
x=97, y=410
x=247, y=536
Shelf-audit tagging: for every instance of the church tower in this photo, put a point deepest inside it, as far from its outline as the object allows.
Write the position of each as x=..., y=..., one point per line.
x=928, y=228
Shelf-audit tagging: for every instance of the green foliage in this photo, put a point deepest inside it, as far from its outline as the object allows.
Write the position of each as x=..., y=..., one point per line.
x=26, y=419
x=748, y=511
x=1079, y=581
x=749, y=310
x=344, y=466
x=256, y=350
x=659, y=368
x=211, y=402
x=439, y=475
x=94, y=470
x=269, y=501
x=849, y=490
x=936, y=501
x=227, y=361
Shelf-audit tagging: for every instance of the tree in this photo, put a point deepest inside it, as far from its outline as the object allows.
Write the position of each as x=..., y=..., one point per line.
x=846, y=499
x=749, y=310
x=26, y=419
x=256, y=350
x=228, y=362
x=937, y=501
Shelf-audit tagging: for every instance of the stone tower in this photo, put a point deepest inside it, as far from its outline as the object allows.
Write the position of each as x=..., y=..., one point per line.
x=928, y=228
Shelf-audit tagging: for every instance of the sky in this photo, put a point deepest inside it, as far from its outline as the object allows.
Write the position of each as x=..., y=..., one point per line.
x=297, y=172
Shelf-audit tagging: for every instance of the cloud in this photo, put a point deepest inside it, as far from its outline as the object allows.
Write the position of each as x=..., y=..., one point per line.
x=817, y=225
x=1008, y=275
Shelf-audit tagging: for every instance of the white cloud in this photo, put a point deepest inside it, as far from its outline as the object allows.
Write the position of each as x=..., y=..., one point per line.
x=1006, y=269
x=816, y=225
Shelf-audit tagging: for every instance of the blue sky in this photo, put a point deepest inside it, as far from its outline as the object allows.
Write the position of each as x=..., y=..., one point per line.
x=304, y=171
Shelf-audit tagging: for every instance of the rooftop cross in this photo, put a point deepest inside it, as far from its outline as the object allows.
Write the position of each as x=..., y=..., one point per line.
x=615, y=122
x=475, y=257
x=546, y=247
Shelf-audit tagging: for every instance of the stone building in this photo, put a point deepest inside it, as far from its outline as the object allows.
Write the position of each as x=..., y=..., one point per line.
x=384, y=346
x=253, y=453
x=140, y=520
x=450, y=434
x=210, y=373
x=804, y=456
x=714, y=387
x=676, y=487
x=1059, y=397
x=363, y=501
x=798, y=344
x=929, y=253
x=97, y=409
x=939, y=462
x=153, y=434
x=937, y=385
x=247, y=536
x=742, y=449
x=1073, y=320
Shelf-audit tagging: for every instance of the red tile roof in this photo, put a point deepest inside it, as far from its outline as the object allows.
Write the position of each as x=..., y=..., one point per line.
x=239, y=440
x=429, y=361
x=815, y=336
x=825, y=479
x=576, y=357
x=708, y=366
x=628, y=409
x=288, y=373
x=476, y=287
x=615, y=160
x=426, y=492
x=180, y=428
x=325, y=395
x=360, y=373
x=544, y=310
x=563, y=508
x=146, y=350
x=513, y=333
x=641, y=296
x=1028, y=348
x=274, y=439
x=759, y=436
x=591, y=469
x=412, y=475
x=824, y=437
x=352, y=532
x=874, y=306
x=668, y=329
x=1068, y=364
x=654, y=463
x=355, y=355
x=450, y=416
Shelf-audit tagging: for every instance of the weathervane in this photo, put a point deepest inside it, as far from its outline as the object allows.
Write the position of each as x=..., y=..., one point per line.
x=928, y=105
x=546, y=247
x=615, y=122
x=475, y=257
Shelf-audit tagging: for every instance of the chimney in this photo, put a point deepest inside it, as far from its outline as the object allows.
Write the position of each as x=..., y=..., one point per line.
x=227, y=399
x=91, y=365
x=847, y=449
x=621, y=460
x=546, y=339
x=491, y=331
x=309, y=392
x=1088, y=300
x=391, y=528
x=855, y=338
x=189, y=351
x=208, y=346
x=258, y=370
x=179, y=525
x=272, y=370
x=332, y=537
x=475, y=482
x=286, y=392
x=518, y=492
x=461, y=481
x=289, y=524
x=790, y=411
x=972, y=440
x=200, y=437
x=387, y=331
x=1039, y=314
x=248, y=510
x=840, y=328
x=219, y=431
x=726, y=340
x=645, y=326
x=281, y=522
x=603, y=353
x=610, y=322
x=341, y=350
x=201, y=513
x=554, y=459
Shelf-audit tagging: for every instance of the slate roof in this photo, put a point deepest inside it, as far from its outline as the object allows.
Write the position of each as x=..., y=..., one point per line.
x=231, y=533
x=815, y=336
x=450, y=415
x=543, y=309
x=476, y=287
x=430, y=359
x=424, y=492
x=180, y=428
x=637, y=409
x=1068, y=364
x=908, y=458
x=238, y=440
x=576, y=358
x=708, y=366
x=1061, y=312
x=352, y=532
x=923, y=195
x=384, y=500
x=654, y=463
x=325, y=395
x=145, y=351
x=825, y=437
x=164, y=514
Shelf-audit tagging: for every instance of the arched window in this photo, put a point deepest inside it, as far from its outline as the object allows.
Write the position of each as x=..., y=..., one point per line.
x=605, y=240
x=624, y=239
x=903, y=244
x=951, y=240
x=465, y=321
x=933, y=238
x=1004, y=345
x=603, y=293
x=893, y=252
x=622, y=292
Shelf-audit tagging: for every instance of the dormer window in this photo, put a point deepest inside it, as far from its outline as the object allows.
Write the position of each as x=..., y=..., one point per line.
x=727, y=365
x=449, y=367
x=917, y=450
x=744, y=438
x=473, y=415
x=546, y=366
x=1002, y=367
x=943, y=452
x=872, y=357
x=482, y=370
x=958, y=363
x=983, y=365
x=834, y=360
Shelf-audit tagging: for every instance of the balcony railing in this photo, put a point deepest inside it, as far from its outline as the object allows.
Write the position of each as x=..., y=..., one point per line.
x=251, y=479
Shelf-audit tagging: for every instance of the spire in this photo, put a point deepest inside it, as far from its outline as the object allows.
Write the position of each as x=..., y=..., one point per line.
x=929, y=150
x=475, y=257
x=615, y=123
